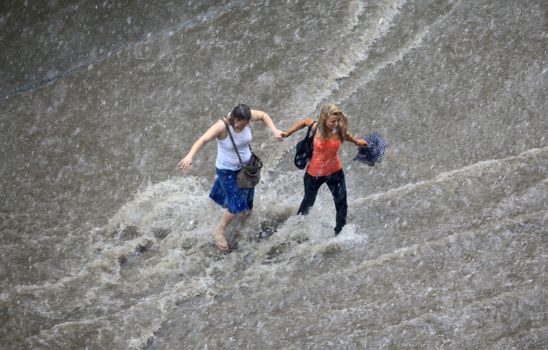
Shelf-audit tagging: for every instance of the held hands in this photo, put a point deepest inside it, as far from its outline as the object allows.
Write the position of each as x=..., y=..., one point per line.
x=285, y=134
x=278, y=134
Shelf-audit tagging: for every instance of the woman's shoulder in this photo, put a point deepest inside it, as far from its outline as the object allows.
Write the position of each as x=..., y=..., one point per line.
x=220, y=128
x=220, y=124
x=308, y=121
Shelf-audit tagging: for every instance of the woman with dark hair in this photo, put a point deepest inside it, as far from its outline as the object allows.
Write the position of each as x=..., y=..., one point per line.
x=329, y=132
x=225, y=191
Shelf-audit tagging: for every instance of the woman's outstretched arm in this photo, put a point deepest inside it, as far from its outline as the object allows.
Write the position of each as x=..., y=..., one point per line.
x=213, y=132
x=257, y=115
x=298, y=126
x=357, y=142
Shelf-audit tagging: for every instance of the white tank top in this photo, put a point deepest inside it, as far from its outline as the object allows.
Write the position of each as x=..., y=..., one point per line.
x=226, y=155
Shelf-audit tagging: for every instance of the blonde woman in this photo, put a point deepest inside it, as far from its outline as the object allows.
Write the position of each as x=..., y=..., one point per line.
x=225, y=191
x=329, y=132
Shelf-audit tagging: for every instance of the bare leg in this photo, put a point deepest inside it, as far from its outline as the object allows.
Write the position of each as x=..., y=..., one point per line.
x=247, y=214
x=219, y=232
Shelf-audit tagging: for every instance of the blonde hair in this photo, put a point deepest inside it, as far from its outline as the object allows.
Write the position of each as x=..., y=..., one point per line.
x=325, y=112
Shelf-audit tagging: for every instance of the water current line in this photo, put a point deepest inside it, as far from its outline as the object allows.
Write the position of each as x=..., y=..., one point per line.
x=444, y=176
x=161, y=304
x=392, y=59
x=177, y=28
x=359, y=50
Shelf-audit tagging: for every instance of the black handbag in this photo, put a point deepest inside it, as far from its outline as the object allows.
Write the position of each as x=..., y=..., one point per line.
x=250, y=174
x=304, y=149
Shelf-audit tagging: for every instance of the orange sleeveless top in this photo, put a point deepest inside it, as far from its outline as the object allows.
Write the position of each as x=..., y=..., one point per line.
x=325, y=157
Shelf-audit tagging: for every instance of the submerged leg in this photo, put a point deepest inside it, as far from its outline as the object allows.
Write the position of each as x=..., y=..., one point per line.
x=311, y=186
x=219, y=232
x=337, y=186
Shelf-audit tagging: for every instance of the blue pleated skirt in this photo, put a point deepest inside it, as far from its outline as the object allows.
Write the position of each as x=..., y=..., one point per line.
x=228, y=195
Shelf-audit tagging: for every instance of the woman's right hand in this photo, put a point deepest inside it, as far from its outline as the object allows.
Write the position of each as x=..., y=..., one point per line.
x=185, y=163
x=361, y=142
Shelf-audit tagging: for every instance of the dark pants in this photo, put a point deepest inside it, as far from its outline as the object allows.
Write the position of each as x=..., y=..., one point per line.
x=336, y=185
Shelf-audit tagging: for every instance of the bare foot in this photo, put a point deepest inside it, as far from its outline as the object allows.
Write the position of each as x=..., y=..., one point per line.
x=220, y=239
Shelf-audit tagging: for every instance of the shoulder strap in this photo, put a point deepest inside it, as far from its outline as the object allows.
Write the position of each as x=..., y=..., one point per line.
x=309, y=132
x=233, y=143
